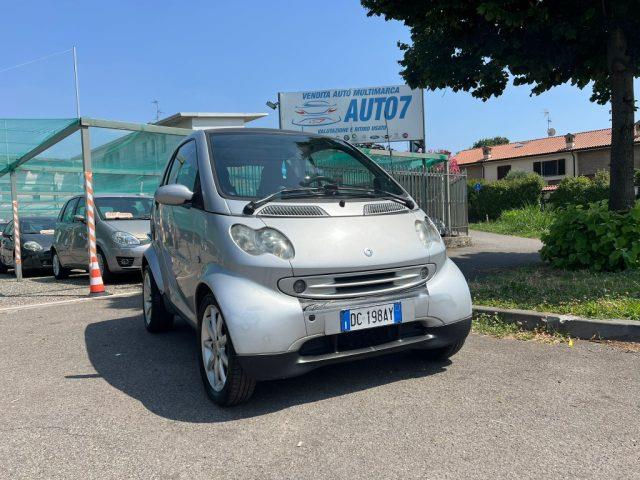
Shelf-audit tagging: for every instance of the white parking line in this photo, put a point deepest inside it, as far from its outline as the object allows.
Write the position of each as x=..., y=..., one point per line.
x=75, y=300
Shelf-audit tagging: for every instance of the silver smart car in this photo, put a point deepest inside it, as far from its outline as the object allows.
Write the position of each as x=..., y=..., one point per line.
x=122, y=234
x=288, y=251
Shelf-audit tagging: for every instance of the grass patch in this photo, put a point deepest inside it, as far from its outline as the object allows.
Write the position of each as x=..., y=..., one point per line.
x=494, y=326
x=530, y=222
x=542, y=288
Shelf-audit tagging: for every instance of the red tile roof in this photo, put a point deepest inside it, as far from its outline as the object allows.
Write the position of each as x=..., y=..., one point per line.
x=539, y=146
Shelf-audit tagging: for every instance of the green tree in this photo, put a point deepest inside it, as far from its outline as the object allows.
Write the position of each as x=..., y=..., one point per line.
x=490, y=142
x=478, y=45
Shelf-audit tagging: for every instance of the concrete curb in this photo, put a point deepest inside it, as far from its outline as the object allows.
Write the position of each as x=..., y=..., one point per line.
x=576, y=327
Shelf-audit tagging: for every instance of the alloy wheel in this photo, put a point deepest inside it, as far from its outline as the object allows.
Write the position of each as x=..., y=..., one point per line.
x=56, y=265
x=214, y=348
x=147, y=297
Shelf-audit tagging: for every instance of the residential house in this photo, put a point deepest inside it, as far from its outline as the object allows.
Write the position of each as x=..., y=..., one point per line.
x=583, y=153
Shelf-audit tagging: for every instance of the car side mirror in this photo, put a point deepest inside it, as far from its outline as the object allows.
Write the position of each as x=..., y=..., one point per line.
x=79, y=219
x=174, y=194
x=6, y=235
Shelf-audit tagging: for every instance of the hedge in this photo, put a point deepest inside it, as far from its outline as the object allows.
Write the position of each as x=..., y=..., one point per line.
x=581, y=191
x=593, y=238
x=495, y=197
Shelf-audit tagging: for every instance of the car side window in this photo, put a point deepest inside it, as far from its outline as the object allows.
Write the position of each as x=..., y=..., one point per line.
x=81, y=209
x=67, y=215
x=184, y=171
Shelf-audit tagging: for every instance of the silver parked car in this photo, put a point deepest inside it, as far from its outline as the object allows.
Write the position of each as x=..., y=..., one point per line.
x=122, y=234
x=288, y=251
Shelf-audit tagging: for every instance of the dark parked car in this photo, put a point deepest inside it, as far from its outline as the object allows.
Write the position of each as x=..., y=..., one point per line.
x=36, y=238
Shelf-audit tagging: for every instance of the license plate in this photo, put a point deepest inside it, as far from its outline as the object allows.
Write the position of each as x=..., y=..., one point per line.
x=369, y=317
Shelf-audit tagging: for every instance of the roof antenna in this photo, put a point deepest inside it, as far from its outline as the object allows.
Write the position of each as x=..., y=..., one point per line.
x=551, y=132
x=158, y=111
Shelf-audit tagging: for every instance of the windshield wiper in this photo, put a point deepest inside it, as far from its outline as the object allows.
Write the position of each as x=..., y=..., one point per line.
x=372, y=192
x=251, y=207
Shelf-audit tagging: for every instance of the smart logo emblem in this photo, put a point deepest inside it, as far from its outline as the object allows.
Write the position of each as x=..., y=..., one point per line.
x=368, y=252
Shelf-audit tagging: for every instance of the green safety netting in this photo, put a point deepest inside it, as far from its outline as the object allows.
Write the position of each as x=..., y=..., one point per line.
x=123, y=162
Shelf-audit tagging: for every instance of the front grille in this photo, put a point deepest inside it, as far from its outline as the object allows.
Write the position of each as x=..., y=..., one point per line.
x=359, y=284
x=348, y=341
x=292, y=211
x=381, y=208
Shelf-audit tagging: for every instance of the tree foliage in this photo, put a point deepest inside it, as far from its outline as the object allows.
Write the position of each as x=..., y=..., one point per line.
x=476, y=45
x=490, y=142
x=479, y=45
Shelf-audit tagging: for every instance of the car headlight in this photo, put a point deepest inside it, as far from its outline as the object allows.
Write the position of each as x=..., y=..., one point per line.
x=32, y=246
x=125, y=239
x=265, y=240
x=427, y=232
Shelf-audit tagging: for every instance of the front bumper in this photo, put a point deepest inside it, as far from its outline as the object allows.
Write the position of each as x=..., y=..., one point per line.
x=36, y=260
x=125, y=259
x=417, y=335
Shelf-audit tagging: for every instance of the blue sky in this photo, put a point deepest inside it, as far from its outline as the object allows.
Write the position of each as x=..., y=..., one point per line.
x=235, y=55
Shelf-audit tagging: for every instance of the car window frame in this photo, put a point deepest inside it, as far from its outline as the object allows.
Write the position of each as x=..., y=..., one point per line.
x=73, y=201
x=198, y=197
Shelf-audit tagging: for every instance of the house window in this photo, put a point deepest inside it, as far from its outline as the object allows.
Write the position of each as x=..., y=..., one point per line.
x=503, y=171
x=550, y=168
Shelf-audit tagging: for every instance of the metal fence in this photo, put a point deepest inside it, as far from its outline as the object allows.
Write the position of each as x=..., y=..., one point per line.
x=443, y=196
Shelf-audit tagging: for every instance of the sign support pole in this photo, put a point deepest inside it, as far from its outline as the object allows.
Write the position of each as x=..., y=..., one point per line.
x=448, y=193
x=17, y=256
x=96, y=285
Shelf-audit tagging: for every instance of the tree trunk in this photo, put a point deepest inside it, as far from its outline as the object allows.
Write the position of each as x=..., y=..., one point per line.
x=621, y=194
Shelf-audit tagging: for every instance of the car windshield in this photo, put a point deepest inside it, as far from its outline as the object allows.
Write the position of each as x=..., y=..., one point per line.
x=38, y=225
x=255, y=165
x=124, y=208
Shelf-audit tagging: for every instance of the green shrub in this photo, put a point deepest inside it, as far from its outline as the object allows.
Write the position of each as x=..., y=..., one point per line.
x=496, y=197
x=593, y=237
x=581, y=190
x=636, y=178
x=530, y=221
x=515, y=174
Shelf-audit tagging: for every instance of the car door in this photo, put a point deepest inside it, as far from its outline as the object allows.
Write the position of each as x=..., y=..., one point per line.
x=7, y=245
x=79, y=251
x=177, y=225
x=62, y=240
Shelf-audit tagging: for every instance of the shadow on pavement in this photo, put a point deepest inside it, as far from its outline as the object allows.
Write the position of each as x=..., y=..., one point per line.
x=474, y=264
x=161, y=371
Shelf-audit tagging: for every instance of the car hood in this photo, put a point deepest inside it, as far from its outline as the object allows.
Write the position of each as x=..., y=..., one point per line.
x=138, y=228
x=46, y=241
x=347, y=244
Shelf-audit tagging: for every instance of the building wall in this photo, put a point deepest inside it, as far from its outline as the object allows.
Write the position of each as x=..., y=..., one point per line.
x=473, y=171
x=591, y=161
x=526, y=164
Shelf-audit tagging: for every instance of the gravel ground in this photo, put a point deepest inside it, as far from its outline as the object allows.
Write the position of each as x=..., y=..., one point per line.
x=43, y=288
x=86, y=393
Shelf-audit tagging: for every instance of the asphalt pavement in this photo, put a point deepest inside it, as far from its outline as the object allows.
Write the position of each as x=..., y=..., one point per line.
x=85, y=392
x=491, y=251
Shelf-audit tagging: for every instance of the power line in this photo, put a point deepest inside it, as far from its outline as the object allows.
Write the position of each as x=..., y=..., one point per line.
x=13, y=67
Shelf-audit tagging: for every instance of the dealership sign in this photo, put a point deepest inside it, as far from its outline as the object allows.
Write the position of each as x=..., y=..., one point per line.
x=363, y=115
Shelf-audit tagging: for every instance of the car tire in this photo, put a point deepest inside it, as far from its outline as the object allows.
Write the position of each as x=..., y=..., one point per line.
x=59, y=272
x=157, y=318
x=3, y=267
x=105, y=273
x=441, y=354
x=225, y=384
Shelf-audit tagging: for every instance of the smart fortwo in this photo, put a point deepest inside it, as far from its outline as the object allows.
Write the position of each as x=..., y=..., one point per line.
x=288, y=251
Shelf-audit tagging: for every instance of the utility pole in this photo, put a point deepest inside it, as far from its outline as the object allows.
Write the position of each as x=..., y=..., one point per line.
x=75, y=77
x=158, y=112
